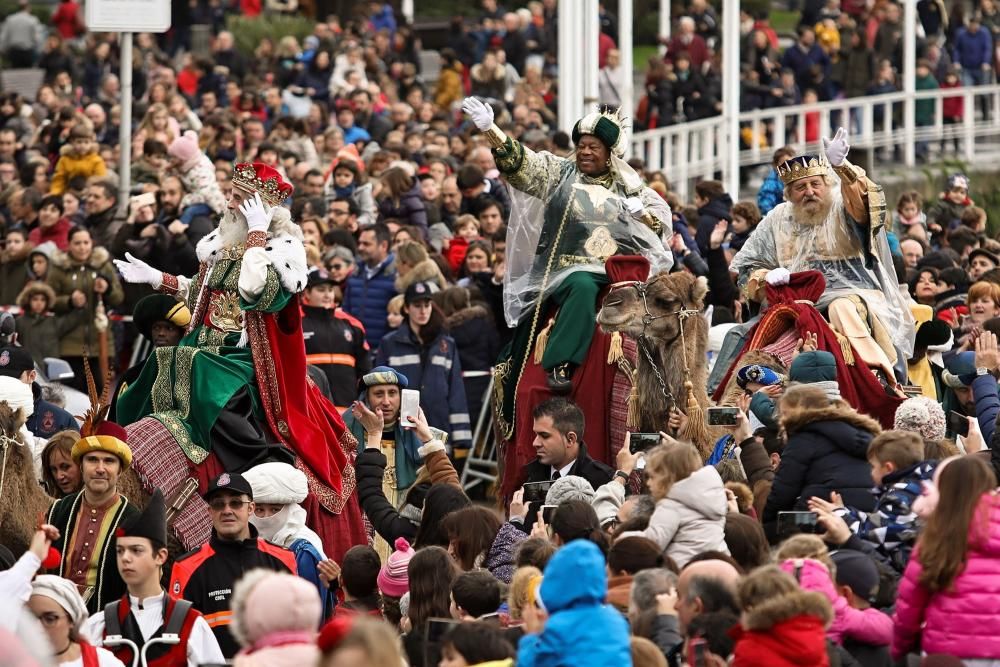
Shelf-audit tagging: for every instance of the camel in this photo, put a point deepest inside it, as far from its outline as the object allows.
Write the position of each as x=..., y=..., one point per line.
x=664, y=315
x=22, y=498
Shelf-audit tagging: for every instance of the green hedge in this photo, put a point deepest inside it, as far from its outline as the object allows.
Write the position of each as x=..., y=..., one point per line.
x=248, y=32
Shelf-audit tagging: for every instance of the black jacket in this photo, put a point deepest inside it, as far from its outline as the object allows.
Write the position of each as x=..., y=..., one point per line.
x=335, y=343
x=709, y=215
x=593, y=471
x=827, y=451
x=385, y=519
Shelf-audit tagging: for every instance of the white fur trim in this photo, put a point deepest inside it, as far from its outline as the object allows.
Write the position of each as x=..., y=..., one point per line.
x=286, y=253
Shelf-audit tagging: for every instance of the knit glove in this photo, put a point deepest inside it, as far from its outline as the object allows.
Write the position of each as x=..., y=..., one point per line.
x=836, y=149
x=258, y=218
x=481, y=114
x=137, y=271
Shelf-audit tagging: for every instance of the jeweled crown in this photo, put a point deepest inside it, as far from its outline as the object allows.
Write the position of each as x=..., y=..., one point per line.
x=803, y=166
x=263, y=179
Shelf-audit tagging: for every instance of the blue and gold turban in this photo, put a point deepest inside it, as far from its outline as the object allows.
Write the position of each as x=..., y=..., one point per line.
x=759, y=374
x=385, y=375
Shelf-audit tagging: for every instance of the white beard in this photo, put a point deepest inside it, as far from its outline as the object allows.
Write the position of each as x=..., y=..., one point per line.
x=233, y=228
x=807, y=219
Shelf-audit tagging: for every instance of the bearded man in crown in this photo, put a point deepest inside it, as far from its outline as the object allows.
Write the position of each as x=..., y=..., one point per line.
x=236, y=384
x=840, y=232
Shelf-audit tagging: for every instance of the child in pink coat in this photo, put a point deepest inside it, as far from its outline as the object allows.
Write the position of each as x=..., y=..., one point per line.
x=868, y=626
x=948, y=600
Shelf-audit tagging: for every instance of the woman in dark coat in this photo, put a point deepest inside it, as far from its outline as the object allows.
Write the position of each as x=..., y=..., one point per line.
x=400, y=200
x=826, y=451
x=471, y=324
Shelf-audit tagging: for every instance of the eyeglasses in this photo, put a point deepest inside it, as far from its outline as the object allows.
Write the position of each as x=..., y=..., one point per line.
x=220, y=504
x=50, y=618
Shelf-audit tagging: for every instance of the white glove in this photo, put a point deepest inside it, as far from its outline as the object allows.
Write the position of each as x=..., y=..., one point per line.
x=836, y=149
x=481, y=114
x=635, y=207
x=258, y=219
x=137, y=271
x=777, y=277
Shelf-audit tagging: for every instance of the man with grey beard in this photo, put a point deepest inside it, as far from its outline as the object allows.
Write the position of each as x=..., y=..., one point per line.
x=235, y=386
x=841, y=233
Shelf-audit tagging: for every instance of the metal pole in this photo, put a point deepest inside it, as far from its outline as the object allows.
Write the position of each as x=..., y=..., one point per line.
x=664, y=29
x=627, y=94
x=406, y=10
x=125, y=129
x=591, y=63
x=570, y=61
x=731, y=95
x=910, y=80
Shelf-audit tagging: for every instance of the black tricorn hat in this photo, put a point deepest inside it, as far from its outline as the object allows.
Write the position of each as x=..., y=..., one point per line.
x=151, y=523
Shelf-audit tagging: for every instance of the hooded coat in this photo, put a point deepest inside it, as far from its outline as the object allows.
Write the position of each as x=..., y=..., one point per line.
x=581, y=629
x=692, y=518
x=408, y=209
x=67, y=275
x=784, y=631
x=827, y=450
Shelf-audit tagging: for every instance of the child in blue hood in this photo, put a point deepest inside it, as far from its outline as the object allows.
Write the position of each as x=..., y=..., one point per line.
x=581, y=630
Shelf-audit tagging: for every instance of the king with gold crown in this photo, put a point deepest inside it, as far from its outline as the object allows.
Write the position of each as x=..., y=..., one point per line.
x=234, y=392
x=833, y=221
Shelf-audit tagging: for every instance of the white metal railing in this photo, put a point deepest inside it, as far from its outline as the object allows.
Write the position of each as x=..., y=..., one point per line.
x=688, y=152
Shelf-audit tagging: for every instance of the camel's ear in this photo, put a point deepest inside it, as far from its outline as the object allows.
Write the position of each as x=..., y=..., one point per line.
x=698, y=291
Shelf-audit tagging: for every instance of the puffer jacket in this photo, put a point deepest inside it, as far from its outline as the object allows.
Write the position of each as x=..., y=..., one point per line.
x=784, y=631
x=827, y=451
x=892, y=527
x=366, y=297
x=67, y=275
x=71, y=165
x=963, y=621
x=408, y=209
x=691, y=519
x=581, y=630
x=870, y=626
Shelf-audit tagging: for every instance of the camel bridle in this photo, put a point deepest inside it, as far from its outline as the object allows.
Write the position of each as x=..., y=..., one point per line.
x=644, y=341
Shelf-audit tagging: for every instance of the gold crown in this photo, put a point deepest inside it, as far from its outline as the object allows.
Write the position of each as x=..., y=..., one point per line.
x=245, y=177
x=803, y=166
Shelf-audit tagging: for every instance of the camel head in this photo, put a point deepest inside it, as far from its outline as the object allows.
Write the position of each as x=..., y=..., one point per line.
x=650, y=309
x=11, y=421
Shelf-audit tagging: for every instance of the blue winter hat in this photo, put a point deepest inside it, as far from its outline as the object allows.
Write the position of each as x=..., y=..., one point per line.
x=385, y=375
x=758, y=374
x=813, y=366
x=960, y=371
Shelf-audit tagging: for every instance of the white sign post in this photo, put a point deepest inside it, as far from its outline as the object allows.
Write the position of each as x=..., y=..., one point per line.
x=126, y=17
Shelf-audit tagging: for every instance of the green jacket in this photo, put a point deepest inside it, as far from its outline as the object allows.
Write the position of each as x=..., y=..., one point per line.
x=67, y=275
x=110, y=586
x=924, y=109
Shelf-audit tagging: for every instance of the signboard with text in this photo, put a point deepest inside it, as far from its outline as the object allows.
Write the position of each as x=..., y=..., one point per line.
x=127, y=15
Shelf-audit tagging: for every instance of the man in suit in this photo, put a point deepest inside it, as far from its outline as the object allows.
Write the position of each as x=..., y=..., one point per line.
x=560, y=451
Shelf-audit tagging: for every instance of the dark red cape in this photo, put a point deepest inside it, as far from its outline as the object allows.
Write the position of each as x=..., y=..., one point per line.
x=792, y=305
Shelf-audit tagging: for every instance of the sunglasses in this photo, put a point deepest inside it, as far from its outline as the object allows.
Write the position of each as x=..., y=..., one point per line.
x=220, y=504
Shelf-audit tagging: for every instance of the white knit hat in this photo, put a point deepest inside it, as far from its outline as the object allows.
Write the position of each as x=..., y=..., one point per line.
x=64, y=592
x=16, y=394
x=277, y=483
x=570, y=487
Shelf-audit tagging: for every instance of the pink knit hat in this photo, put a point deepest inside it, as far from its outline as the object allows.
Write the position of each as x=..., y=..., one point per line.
x=185, y=147
x=393, y=579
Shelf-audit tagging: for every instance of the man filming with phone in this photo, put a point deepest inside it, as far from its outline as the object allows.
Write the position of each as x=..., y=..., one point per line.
x=559, y=452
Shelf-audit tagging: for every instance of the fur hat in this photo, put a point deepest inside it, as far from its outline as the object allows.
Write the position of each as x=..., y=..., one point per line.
x=922, y=415
x=393, y=578
x=570, y=487
x=265, y=603
x=33, y=288
x=185, y=147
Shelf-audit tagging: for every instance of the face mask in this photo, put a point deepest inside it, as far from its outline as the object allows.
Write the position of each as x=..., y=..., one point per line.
x=269, y=526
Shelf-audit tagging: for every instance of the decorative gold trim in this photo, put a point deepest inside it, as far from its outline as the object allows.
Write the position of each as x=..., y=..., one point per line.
x=495, y=136
x=245, y=178
x=178, y=429
x=256, y=239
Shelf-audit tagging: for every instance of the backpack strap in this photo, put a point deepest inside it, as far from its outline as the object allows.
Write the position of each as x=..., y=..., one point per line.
x=175, y=623
x=112, y=626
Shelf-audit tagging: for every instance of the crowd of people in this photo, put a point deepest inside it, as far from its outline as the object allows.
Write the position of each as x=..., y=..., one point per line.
x=817, y=532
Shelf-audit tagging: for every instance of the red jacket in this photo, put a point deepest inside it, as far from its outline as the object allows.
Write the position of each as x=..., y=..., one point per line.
x=784, y=631
x=952, y=107
x=455, y=254
x=68, y=19
x=57, y=233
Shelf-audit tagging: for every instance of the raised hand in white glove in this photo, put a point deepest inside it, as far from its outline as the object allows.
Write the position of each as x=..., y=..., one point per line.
x=778, y=276
x=481, y=114
x=258, y=219
x=635, y=207
x=836, y=149
x=137, y=271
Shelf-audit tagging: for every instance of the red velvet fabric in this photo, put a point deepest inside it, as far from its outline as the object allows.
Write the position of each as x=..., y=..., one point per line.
x=793, y=303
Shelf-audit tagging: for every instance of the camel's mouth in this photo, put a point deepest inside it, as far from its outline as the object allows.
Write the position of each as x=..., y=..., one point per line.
x=613, y=321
